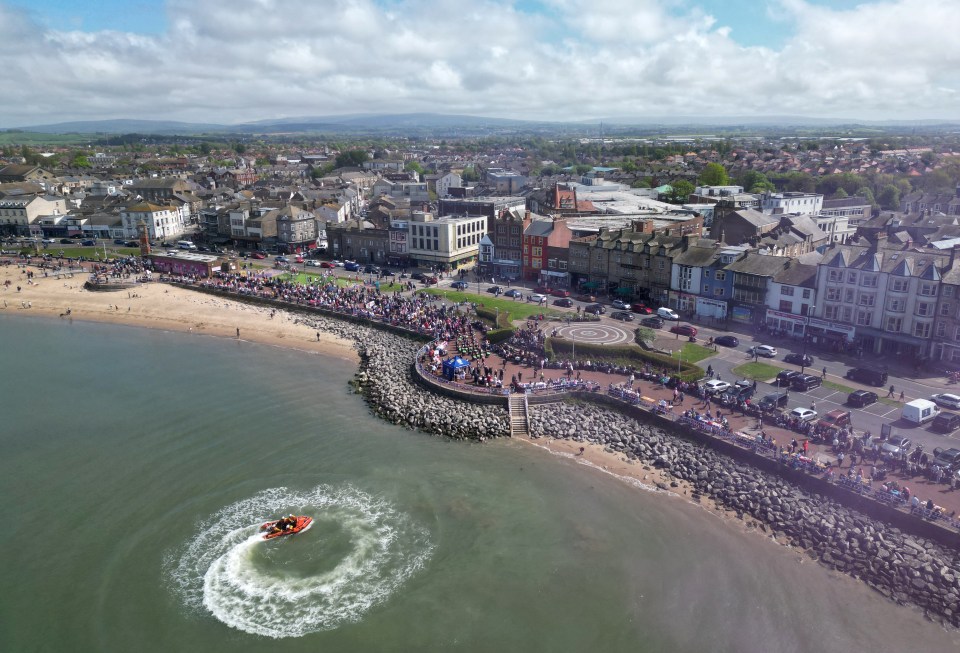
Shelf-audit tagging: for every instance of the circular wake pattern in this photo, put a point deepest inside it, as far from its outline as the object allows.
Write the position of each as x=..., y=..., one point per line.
x=358, y=551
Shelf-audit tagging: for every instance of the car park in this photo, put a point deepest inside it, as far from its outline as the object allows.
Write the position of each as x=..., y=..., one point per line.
x=495, y=290
x=619, y=303
x=726, y=341
x=560, y=292
x=946, y=400
x=622, y=315
x=513, y=292
x=641, y=308
x=764, y=351
x=667, y=314
x=653, y=322
x=806, y=382
x=563, y=302
x=684, y=330
x=895, y=446
x=867, y=375
x=595, y=309
x=861, y=398
x=803, y=414
x=715, y=385
x=773, y=401
x=537, y=298
x=804, y=360
x=835, y=419
x=945, y=422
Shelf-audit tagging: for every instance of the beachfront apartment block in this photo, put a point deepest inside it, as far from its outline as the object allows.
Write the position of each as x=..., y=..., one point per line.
x=18, y=213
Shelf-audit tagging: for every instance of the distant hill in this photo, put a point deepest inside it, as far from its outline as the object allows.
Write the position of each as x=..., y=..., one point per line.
x=123, y=126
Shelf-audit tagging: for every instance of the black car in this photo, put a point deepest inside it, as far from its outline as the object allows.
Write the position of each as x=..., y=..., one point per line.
x=118, y=241
x=804, y=360
x=786, y=376
x=653, y=322
x=867, y=375
x=371, y=269
x=595, y=309
x=946, y=422
x=726, y=341
x=66, y=241
x=89, y=243
x=626, y=316
x=773, y=401
x=805, y=382
x=417, y=276
x=947, y=458
x=496, y=290
x=564, y=302
x=861, y=398
x=459, y=285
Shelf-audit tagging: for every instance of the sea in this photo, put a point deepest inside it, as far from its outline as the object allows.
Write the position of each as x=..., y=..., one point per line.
x=137, y=466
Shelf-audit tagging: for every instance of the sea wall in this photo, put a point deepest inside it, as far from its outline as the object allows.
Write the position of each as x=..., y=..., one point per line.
x=905, y=568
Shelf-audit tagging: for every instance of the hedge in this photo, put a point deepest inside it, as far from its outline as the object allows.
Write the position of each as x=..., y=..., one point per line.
x=559, y=346
x=500, y=319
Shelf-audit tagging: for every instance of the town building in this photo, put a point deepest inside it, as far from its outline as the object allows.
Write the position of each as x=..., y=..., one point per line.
x=296, y=229
x=445, y=243
x=163, y=222
x=501, y=248
x=546, y=243
x=17, y=213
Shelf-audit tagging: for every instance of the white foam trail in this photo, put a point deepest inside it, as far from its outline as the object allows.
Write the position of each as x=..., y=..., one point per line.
x=217, y=572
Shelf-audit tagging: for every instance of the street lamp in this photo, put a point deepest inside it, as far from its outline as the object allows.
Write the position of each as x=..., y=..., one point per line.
x=806, y=337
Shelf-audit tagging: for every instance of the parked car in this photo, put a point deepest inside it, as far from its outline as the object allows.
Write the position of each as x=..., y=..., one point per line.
x=668, y=314
x=496, y=290
x=804, y=414
x=312, y=263
x=560, y=292
x=868, y=376
x=537, y=298
x=430, y=280
x=619, y=303
x=653, y=322
x=459, y=285
x=585, y=298
x=622, y=315
x=894, y=446
x=351, y=266
x=835, y=419
x=764, y=351
x=337, y=263
x=116, y=241
x=371, y=269
x=861, y=398
x=641, y=308
x=945, y=422
x=684, y=330
x=773, y=401
x=595, y=309
x=89, y=243
x=784, y=377
x=947, y=458
x=919, y=411
x=66, y=241
x=806, y=382
x=327, y=264
x=804, y=360
x=726, y=341
x=541, y=290
x=513, y=292
x=416, y=276
x=563, y=302
x=714, y=386
x=258, y=255
x=946, y=400
x=282, y=259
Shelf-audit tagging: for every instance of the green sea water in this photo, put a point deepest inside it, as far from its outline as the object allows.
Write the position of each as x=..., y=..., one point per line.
x=136, y=465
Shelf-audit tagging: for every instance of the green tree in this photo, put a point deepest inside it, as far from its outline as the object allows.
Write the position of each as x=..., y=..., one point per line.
x=714, y=174
x=415, y=167
x=351, y=158
x=80, y=160
x=582, y=169
x=470, y=174
x=840, y=194
x=239, y=148
x=754, y=181
x=204, y=148
x=681, y=191
x=889, y=197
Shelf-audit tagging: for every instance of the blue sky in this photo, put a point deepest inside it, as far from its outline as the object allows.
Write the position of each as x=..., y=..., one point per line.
x=569, y=60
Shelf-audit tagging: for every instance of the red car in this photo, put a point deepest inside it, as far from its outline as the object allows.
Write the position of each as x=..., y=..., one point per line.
x=684, y=330
x=541, y=290
x=258, y=255
x=641, y=308
x=327, y=264
x=560, y=292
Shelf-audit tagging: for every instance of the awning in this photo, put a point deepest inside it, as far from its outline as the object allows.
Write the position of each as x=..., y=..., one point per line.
x=623, y=291
x=590, y=285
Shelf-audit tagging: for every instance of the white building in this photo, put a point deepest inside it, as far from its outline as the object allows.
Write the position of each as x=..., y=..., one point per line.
x=163, y=222
x=449, y=241
x=448, y=181
x=18, y=213
x=799, y=203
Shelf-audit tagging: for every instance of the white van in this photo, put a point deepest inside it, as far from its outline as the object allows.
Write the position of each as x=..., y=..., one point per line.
x=667, y=313
x=186, y=244
x=919, y=411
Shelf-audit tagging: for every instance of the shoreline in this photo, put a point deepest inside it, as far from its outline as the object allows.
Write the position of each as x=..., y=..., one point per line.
x=164, y=307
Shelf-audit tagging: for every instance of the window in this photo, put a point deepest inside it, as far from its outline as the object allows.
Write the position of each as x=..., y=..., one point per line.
x=830, y=312
x=706, y=274
x=851, y=277
x=947, y=291
x=718, y=292
x=869, y=280
x=893, y=324
x=896, y=305
x=945, y=309
x=846, y=314
x=941, y=329
x=924, y=308
x=848, y=295
x=721, y=275
x=921, y=329
x=868, y=299
x=706, y=289
x=863, y=318
x=833, y=294
x=786, y=305
x=899, y=285
x=537, y=251
x=928, y=290
x=806, y=293
x=786, y=291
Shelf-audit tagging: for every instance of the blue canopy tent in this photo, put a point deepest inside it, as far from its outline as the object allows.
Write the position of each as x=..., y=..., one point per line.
x=451, y=365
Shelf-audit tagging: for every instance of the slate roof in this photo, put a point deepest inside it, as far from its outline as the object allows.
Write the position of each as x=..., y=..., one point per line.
x=798, y=274
x=760, y=265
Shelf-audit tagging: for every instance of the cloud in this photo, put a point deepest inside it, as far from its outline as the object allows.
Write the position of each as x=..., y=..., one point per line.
x=229, y=61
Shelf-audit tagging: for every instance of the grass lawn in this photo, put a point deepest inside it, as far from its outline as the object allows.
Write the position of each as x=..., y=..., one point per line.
x=693, y=353
x=757, y=371
x=90, y=253
x=518, y=309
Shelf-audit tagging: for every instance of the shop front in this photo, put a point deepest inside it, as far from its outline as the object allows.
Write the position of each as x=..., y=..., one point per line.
x=552, y=279
x=831, y=335
x=787, y=322
x=711, y=308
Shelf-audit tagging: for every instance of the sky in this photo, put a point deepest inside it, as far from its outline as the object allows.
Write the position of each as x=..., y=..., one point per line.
x=232, y=61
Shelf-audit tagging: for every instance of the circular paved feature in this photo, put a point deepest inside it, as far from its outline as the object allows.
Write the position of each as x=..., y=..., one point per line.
x=608, y=334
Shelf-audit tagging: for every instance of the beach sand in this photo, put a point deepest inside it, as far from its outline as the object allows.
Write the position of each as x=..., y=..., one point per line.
x=162, y=306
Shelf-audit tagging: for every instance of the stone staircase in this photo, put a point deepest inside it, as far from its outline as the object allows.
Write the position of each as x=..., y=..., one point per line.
x=519, y=420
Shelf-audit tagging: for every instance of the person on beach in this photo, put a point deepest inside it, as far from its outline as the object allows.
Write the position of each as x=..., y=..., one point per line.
x=238, y=332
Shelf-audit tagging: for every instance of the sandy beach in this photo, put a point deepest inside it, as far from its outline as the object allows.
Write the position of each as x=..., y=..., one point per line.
x=161, y=306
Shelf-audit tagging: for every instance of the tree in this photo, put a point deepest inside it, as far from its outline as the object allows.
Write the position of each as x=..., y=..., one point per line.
x=415, y=167
x=754, y=181
x=239, y=148
x=351, y=158
x=204, y=148
x=80, y=160
x=681, y=191
x=840, y=194
x=582, y=169
x=714, y=174
x=889, y=197
x=470, y=174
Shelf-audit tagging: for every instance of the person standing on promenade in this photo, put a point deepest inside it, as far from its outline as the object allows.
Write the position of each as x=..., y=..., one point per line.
x=238, y=333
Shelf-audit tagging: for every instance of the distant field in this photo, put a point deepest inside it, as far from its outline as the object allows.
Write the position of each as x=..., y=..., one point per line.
x=39, y=138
